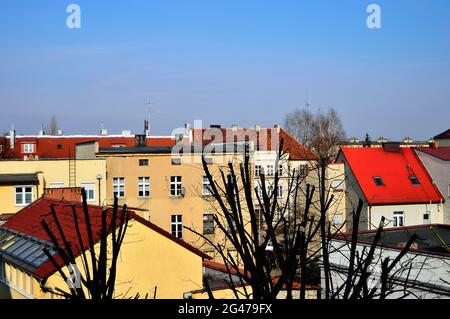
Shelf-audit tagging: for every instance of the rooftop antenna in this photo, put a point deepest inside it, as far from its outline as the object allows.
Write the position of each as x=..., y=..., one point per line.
x=149, y=112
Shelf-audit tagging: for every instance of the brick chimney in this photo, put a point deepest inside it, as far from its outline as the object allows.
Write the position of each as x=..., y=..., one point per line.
x=71, y=194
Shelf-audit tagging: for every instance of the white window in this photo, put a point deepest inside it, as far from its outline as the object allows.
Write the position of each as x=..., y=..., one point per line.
x=175, y=185
x=177, y=225
x=270, y=170
x=144, y=187
x=257, y=170
x=56, y=185
x=206, y=186
x=24, y=195
x=337, y=185
x=28, y=148
x=90, y=191
x=426, y=218
x=398, y=220
x=119, y=187
x=279, y=191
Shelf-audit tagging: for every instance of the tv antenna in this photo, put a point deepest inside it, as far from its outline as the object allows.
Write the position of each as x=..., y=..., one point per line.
x=149, y=113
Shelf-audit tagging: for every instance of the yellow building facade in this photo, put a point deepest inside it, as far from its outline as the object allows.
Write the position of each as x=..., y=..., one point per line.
x=22, y=182
x=172, y=193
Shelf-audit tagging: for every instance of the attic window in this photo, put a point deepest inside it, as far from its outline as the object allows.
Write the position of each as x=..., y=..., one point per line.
x=378, y=181
x=59, y=146
x=414, y=180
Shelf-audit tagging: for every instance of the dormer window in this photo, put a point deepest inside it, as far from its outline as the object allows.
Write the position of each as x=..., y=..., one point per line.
x=378, y=181
x=28, y=148
x=414, y=180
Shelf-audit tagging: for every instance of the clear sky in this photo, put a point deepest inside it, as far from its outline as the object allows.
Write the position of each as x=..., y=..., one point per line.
x=225, y=62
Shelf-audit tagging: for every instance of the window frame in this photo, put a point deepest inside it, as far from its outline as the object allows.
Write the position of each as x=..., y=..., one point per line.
x=207, y=183
x=143, y=162
x=23, y=203
x=396, y=217
x=83, y=185
x=210, y=230
x=119, y=182
x=176, y=186
x=144, y=181
x=25, y=147
x=176, y=222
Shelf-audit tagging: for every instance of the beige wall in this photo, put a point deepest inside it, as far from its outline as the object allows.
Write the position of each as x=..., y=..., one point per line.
x=160, y=205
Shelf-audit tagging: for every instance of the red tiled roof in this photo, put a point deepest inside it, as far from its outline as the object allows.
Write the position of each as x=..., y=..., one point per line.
x=64, y=146
x=442, y=153
x=445, y=134
x=394, y=168
x=265, y=137
x=28, y=221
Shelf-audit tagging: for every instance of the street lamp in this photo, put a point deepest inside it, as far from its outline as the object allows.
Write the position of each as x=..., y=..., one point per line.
x=99, y=178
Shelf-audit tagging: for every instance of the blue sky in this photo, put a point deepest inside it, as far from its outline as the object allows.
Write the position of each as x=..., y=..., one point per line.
x=225, y=62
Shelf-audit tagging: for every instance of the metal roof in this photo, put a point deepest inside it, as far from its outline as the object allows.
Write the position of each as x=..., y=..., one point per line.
x=19, y=178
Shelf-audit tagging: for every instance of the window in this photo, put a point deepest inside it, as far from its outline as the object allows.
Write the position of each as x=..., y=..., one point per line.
x=426, y=218
x=258, y=191
x=279, y=191
x=208, y=224
x=270, y=170
x=280, y=170
x=303, y=170
x=143, y=162
x=257, y=170
x=119, y=187
x=175, y=185
x=337, y=185
x=378, y=181
x=279, y=214
x=59, y=147
x=28, y=148
x=206, y=191
x=398, y=219
x=90, y=191
x=177, y=226
x=56, y=185
x=144, y=187
x=414, y=180
x=24, y=195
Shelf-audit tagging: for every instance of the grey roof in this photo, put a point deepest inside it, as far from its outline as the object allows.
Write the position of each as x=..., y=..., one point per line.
x=23, y=250
x=430, y=238
x=19, y=178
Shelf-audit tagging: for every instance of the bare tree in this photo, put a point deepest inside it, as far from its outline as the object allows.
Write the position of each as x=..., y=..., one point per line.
x=97, y=277
x=301, y=237
x=320, y=131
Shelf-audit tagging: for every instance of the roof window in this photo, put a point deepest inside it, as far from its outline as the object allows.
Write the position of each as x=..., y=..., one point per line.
x=378, y=181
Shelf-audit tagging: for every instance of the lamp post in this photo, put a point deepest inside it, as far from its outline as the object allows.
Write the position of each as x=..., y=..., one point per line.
x=99, y=178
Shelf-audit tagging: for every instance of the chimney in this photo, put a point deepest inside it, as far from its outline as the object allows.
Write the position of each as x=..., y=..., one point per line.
x=234, y=127
x=60, y=132
x=71, y=194
x=103, y=131
x=277, y=126
x=432, y=143
x=391, y=146
x=187, y=128
x=407, y=140
x=146, y=128
x=258, y=128
x=12, y=138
